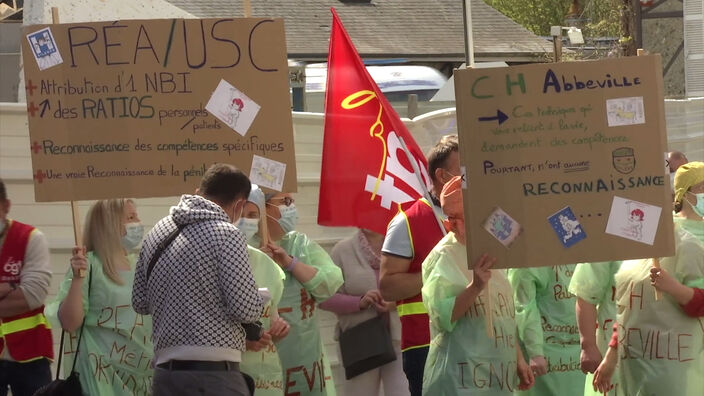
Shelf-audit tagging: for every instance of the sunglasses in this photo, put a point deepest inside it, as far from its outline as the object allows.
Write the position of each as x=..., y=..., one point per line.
x=287, y=201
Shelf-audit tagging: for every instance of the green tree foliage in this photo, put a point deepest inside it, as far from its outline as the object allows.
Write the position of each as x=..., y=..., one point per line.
x=597, y=18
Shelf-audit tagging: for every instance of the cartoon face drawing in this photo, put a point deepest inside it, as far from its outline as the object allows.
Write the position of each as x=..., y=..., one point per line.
x=624, y=161
x=637, y=215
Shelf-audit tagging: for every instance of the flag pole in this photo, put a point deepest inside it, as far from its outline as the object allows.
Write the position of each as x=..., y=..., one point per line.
x=468, y=35
x=416, y=170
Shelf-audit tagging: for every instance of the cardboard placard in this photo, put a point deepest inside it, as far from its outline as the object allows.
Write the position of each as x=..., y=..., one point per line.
x=141, y=108
x=564, y=162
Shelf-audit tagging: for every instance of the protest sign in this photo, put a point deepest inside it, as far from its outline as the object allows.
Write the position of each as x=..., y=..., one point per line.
x=564, y=162
x=141, y=108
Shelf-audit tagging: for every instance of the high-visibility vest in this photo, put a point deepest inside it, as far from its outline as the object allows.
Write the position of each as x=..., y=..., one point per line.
x=425, y=233
x=26, y=336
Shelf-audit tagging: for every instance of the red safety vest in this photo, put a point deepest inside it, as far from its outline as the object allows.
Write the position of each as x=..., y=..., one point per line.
x=425, y=233
x=27, y=336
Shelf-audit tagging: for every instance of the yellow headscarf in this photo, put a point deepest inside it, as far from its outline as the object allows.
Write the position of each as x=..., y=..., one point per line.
x=687, y=175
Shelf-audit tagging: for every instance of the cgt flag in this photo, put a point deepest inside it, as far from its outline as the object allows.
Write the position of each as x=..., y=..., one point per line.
x=366, y=173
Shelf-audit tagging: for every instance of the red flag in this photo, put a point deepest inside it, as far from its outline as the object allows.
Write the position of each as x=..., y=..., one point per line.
x=365, y=173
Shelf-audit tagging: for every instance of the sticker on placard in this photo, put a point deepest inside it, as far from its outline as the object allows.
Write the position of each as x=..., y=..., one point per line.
x=502, y=226
x=623, y=160
x=633, y=220
x=463, y=170
x=233, y=107
x=267, y=172
x=625, y=111
x=44, y=48
x=566, y=226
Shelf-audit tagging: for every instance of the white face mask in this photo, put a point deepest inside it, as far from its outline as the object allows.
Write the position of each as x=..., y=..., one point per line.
x=698, y=207
x=289, y=217
x=249, y=226
x=134, y=235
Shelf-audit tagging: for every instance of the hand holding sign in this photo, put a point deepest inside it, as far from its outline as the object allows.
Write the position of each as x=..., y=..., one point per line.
x=79, y=264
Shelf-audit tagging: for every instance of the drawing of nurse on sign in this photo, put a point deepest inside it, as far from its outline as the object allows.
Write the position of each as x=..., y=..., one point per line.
x=635, y=221
x=234, y=109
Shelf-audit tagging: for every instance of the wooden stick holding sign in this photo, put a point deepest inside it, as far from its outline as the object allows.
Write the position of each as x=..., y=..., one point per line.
x=263, y=226
x=247, y=8
x=489, y=317
x=75, y=214
x=656, y=264
x=656, y=261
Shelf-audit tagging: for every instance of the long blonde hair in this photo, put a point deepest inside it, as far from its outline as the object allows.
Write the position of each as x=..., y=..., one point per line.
x=102, y=235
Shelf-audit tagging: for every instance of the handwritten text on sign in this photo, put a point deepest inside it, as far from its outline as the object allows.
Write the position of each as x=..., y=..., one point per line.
x=550, y=148
x=119, y=108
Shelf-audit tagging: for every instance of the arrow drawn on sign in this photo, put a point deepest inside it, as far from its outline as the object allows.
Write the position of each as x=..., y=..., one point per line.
x=500, y=116
x=45, y=106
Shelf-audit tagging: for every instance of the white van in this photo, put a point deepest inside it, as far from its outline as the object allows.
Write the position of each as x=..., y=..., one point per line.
x=396, y=82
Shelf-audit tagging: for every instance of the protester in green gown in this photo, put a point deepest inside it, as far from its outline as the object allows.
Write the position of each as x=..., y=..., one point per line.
x=468, y=355
x=115, y=354
x=261, y=359
x=595, y=287
x=548, y=328
x=689, y=199
x=311, y=277
x=660, y=349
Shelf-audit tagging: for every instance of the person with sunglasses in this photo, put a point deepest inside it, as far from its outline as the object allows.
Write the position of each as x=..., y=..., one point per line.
x=261, y=358
x=311, y=278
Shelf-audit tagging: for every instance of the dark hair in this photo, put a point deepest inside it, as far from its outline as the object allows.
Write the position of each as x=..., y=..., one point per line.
x=438, y=155
x=223, y=183
x=3, y=192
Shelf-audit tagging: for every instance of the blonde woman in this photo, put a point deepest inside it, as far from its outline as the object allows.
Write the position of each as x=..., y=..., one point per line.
x=115, y=353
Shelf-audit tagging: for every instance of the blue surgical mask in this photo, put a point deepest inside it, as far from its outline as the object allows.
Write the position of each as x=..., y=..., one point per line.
x=699, y=207
x=289, y=217
x=134, y=235
x=249, y=226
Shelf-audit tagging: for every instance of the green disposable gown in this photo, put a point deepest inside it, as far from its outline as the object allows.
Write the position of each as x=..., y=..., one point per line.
x=595, y=284
x=306, y=370
x=116, y=352
x=547, y=326
x=694, y=227
x=463, y=359
x=264, y=366
x=660, y=349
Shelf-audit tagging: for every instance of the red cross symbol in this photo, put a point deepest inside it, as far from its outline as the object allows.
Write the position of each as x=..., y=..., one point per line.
x=30, y=88
x=39, y=176
x=32, y=108
x=36, y=147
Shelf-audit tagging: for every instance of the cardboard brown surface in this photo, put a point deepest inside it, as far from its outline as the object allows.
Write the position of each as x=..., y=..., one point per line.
x=120, y=109
x=531, y=151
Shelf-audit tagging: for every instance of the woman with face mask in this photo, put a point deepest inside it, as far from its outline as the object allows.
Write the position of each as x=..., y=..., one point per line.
x=115, y=352
x=658, y=345
x=311, y=277
x=689, y=198
x=261, y=359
